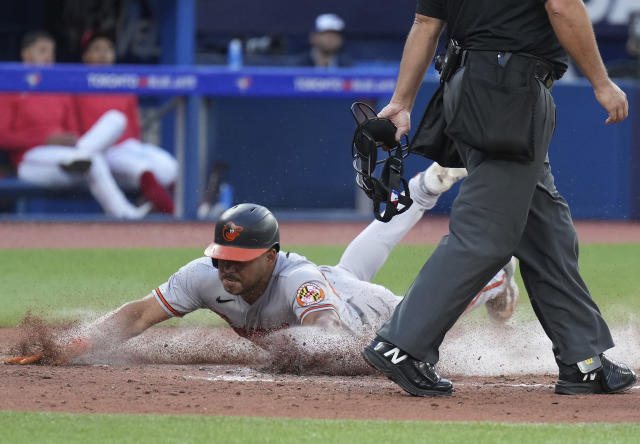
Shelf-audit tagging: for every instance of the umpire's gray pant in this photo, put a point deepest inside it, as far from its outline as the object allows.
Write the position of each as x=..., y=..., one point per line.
x=504, y=208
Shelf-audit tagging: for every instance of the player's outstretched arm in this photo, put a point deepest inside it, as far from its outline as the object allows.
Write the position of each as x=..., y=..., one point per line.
x=128, y=321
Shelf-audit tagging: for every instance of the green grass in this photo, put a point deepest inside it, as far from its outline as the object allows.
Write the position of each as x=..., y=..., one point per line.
x=64, y=284
x=84, y=428
x=61, y=284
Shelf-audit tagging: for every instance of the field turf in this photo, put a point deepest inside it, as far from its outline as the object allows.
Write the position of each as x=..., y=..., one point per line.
x=63, y=284
x=84, y=428
x=70, y=284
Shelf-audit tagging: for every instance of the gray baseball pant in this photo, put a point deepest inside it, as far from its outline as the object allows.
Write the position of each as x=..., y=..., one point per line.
x=504, y=208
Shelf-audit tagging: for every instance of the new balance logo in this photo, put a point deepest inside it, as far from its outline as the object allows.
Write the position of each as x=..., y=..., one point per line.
x=396, y=358
x=589, y=377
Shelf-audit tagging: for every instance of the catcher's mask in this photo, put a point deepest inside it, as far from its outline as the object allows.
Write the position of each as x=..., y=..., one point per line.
x=390, y=189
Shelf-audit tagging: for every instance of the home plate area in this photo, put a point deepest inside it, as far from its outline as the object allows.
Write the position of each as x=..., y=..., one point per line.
x=153, y=381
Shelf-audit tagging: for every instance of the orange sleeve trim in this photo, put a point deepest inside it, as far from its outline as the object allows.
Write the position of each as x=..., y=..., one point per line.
x=494, y=285
x=487, y=288
x=317, y=307
x=166, y=304
x=475, y=299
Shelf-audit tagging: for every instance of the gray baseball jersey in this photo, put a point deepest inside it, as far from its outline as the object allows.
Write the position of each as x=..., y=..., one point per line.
x=297, y=287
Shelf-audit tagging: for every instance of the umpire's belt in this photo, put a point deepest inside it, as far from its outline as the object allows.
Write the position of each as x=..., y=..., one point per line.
x=541, y=69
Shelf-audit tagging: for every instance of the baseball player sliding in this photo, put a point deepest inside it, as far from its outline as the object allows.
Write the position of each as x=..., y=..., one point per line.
x=258, y=289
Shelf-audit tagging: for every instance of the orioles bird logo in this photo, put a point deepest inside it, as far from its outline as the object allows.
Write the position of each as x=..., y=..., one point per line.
x=231, y=231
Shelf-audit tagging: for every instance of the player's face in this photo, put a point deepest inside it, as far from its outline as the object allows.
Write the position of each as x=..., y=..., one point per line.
x=100, y=52
x=247, y=278
x=41, y=52
x=328, y=41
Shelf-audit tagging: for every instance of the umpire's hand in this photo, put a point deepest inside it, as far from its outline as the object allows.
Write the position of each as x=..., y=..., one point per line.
x=613, y=100
x=400, y=116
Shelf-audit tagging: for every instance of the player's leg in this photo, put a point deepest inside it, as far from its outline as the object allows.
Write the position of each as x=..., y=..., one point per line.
x=499, y=296
x=501, y=301
x=163, y=165
x=41, y=166
x=106, y=191
x=365, y=255
x=102, y=135
x=136, y=165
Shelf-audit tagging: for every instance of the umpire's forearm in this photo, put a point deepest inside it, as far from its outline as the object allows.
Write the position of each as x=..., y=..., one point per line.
x=571, y=23
x=419, y=49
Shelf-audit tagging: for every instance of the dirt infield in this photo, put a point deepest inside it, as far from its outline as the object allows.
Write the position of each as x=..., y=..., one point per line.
x=162, y=234
x=173, y=374
x=139, y=386
x=236, y=391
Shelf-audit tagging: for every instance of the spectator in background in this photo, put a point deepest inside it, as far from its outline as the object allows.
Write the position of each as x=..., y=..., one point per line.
x=218, y=195
x=42, y=136
x=133, y=163
x=629, y=68
x=326, y=41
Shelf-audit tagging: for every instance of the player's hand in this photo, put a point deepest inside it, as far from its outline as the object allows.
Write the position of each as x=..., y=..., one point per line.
x=24, y=360
x=77, y=347
x=613, y=100
x=400, y=116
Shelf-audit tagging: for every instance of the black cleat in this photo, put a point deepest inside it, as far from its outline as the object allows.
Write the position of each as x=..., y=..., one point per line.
x=78, y=166
x=610, y=377
x=415, y=377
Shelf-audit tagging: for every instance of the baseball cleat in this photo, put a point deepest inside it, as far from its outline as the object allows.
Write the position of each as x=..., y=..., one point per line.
x=609, y=377
x=438, y=179
x=502, y=306
x=415, y=377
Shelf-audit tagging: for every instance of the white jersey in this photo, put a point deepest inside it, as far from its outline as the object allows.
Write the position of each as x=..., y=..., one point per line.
x=297, y=287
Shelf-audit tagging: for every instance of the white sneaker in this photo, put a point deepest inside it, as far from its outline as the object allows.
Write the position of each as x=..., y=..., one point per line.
x=501, y=307
x=438, y=179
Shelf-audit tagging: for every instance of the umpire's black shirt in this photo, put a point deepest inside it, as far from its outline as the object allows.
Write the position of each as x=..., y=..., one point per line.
x=499, y=25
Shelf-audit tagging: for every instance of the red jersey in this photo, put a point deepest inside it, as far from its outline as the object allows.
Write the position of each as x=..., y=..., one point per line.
x=28, y=119
x=91, y=106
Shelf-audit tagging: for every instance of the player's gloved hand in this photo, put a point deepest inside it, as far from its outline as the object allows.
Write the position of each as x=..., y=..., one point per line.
x=77, y=347
x=24, y=360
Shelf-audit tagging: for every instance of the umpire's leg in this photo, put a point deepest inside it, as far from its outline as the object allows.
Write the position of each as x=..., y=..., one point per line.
x=548, y=254
x=487, y=221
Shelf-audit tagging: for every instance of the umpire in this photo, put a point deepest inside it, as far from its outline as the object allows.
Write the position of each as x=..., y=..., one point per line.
x=498, y=118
